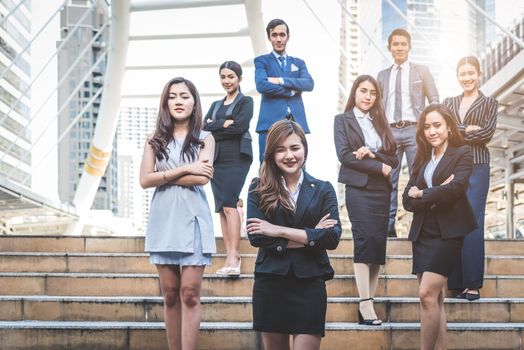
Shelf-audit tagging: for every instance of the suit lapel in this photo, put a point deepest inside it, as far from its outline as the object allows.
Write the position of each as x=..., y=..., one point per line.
x=412, y=77
x=307, y=193
x=353, y=123
x=386, y=86
x=479, y=101
x=443, y=164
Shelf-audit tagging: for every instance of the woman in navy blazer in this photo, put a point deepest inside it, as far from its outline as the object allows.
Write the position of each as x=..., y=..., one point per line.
x=366, y=150
x=442, y=216
x=476, y=115
x=292, y=219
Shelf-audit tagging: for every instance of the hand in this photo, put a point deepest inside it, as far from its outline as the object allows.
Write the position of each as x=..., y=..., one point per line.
x=471, y=128
x=363, y=152
x=261, y=227
x=274, y=80
x=325, y=222
x=386, y=170
x=228, y=123
x=208, y=120
x=202, y=168
x=414, y=192
x=448, y=180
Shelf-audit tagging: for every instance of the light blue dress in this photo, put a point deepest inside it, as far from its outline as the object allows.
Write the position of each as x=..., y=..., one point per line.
x=180, y=227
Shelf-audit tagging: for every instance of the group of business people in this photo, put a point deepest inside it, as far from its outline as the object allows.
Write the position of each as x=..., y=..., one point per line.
x=293, y=217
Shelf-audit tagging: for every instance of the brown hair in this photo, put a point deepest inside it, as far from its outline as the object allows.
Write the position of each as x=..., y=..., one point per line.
x=270, y=187
x=376, y=112
x=423, y=146
x=469, y=60
x=165, y=125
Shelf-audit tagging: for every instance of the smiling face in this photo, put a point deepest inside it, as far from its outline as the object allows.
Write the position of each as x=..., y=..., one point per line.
x=180, y=102
x=229, y=80
x=278, y=37
x=436, y=130
x=468, y=77
x=365, y=96
x=399, y=48
x=290, y=155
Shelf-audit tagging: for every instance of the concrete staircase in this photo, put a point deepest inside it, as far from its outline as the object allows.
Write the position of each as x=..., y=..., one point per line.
x=102, y=293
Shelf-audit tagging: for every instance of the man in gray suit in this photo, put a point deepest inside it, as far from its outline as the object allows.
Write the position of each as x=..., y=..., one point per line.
x=405, y=87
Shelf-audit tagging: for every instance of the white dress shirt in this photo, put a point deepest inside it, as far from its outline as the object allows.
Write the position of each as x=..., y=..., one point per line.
x=293, y=195
x=430, y=168
x=407, y=108
x=371, y=137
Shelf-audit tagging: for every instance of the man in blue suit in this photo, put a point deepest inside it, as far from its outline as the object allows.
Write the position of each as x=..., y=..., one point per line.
x=405, y=87
x=280, y=79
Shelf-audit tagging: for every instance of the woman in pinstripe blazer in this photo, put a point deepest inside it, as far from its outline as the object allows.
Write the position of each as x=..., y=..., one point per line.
x=476, y=115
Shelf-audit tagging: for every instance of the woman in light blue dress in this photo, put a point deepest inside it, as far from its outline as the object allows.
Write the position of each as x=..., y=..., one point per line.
x=178, y=161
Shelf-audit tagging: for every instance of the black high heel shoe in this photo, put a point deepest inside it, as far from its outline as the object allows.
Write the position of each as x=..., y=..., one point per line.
x=361, y=320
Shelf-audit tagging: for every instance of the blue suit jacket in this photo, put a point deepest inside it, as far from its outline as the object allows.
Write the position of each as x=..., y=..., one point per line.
x=277, y=98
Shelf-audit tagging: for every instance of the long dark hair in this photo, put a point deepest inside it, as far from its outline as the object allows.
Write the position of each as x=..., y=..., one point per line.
x=270, y=187
x=379, y=121
x=165, y=125
x=423, y=146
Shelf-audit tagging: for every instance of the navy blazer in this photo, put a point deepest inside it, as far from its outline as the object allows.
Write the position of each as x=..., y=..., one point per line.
x=454, y=214
x=348, y=138
x=316, y=199
x=242, y=114
x=277, y=98
x=421, y=86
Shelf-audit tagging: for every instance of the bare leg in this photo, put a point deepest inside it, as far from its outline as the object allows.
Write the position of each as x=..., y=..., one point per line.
x=170, y=283
x=232, y=219
x=374, y=271
x=306, y=342
x=191, y=285
x=275, y=341
x=431, y=285
x=225, y=236
x=442, y=340
x=362, y=274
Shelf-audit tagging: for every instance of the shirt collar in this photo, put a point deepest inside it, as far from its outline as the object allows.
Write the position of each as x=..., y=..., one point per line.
x=277, y=55
x=404, y=66
x=294, y=194
x=359, y=114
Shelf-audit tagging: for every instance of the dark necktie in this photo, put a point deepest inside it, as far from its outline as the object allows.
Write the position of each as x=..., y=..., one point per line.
x=397, y=115
x=282, y=60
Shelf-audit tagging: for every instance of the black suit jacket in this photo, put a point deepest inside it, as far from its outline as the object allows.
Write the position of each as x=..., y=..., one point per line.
x=349, y=138
x=239, y=130
x=454, y=214
x=316, y=199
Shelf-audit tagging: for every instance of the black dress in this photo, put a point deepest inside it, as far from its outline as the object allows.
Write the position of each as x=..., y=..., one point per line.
x=231, y=165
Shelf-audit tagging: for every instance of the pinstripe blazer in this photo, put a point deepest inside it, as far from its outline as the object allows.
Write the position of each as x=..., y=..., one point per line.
x=482, y=112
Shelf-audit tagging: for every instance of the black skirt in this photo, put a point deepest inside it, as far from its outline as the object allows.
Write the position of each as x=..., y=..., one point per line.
x=231, y=168
x=368, y=211
x=432, y=253
x=289, y=305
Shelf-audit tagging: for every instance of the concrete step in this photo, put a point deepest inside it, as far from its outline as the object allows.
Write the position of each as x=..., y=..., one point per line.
x=132, y=244
x=139, y=263
x=114, y=284
x=238, y=309
x=239, y=336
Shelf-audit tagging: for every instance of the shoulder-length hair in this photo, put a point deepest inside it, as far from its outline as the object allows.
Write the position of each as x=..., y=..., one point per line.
x=270, y=186
x=423, y=146
x=165, y=124
x=376, y=112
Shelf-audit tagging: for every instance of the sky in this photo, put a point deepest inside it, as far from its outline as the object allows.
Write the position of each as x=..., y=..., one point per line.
x=308, y=40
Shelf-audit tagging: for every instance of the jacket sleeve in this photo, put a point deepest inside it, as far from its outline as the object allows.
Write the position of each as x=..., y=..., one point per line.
x=345, y=152
x=412, y=204
x=212, y=126
x=242, y=115
x=430, y=89
x=487, y=129
x=390, y=159
x=264, y=86
x=304, y=82
x=272, y=245
x=326, y=238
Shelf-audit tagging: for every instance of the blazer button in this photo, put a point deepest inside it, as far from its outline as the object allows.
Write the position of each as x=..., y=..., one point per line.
x=279, y=248
x=311, y=243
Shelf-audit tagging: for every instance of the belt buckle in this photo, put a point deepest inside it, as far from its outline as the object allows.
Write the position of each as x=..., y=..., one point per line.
x=400, y=124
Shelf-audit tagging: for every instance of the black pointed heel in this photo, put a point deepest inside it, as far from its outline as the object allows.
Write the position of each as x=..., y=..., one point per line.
x=361, y=320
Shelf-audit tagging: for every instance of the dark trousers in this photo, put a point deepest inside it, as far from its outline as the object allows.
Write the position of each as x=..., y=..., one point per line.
x=469, y=273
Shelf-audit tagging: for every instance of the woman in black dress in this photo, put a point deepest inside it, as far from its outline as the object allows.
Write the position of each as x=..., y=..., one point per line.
x=228, y=119
x=292, y=219
x=366, y=150
x=442, y=215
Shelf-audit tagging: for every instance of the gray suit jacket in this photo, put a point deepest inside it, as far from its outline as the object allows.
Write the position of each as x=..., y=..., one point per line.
x=421, y=86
